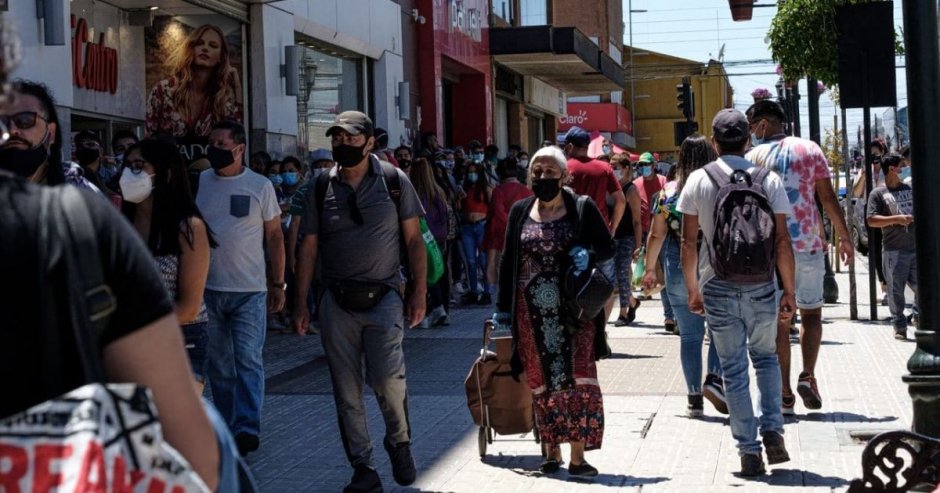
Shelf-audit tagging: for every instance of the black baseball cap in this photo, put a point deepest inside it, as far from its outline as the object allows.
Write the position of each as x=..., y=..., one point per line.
x=354, y=122
x=730, y=125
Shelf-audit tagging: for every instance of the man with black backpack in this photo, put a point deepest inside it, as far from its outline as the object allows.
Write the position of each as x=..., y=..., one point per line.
x=357, y=219
x=742, y=211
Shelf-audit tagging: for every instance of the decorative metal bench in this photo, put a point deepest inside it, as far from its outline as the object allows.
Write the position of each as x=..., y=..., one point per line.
x=897, y=461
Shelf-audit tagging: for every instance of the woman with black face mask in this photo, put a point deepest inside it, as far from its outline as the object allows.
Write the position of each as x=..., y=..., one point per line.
x=555, y=349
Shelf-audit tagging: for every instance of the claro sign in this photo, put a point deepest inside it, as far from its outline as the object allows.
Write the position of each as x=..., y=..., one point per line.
x=94, y=65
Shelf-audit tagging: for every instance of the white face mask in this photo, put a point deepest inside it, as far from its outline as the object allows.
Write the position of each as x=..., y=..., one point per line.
x=135, y=187
x=618, y=173
x=524, y=163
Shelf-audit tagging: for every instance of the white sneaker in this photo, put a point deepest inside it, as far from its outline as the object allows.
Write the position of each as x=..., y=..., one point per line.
x=438, y=317
x=424, y=324
x=458, y=289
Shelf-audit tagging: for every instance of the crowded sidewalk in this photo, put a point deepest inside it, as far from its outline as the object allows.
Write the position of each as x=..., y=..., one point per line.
x=649, y=443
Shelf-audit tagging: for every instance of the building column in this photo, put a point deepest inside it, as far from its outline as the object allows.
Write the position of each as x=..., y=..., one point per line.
x=273, y=117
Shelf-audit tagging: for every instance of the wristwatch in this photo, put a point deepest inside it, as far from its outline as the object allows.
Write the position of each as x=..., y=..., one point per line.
x=279, y=285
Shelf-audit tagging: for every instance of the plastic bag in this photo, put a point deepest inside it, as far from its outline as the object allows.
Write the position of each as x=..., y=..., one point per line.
x=639, y=269
x=435, y=258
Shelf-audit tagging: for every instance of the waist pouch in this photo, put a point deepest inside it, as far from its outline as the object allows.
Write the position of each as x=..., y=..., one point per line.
x=358, y=296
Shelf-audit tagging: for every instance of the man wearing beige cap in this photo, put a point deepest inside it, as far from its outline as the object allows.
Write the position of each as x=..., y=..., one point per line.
x=357, y=216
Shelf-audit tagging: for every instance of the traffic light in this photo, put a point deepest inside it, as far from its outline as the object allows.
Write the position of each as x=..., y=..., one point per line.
x=684, y=98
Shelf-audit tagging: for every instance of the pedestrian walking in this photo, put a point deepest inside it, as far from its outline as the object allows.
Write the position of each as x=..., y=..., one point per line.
x=158, y=203
x=803, y=168
x=648, y=185
x=475, y=207
x=628, y=238
x=666, y=236
x=372, y=209
x=240, y=206
x=434, y=202
x=739, y=299
x=891, y=209
x=554, y=348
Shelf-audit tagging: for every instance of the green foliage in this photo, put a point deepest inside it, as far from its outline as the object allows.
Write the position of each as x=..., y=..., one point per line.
x=804, y=41
x=832, y=147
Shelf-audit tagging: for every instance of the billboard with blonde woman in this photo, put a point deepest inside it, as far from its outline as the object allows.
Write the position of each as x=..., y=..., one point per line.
x=194, y=75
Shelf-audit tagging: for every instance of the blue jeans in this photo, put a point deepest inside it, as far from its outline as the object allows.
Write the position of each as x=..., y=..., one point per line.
x=623, y=263
x=472, y=237
x=692, y=334
x=668, y=312
x=743, y=320
x=236, y=370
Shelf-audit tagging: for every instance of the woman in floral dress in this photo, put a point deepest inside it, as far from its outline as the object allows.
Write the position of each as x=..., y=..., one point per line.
x=554, y=348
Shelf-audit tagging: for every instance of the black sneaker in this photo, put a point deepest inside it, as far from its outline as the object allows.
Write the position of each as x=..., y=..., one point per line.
x=583, y=470
x=550, y=466
x=364, y=480
x=485, y=299
x=696, y=406
x=775, y=448
x=752, y=465
x=470, y=299
x=671, y=327
x=714, y=391
x=900, y=335
x=403, y=464
x=246, y=443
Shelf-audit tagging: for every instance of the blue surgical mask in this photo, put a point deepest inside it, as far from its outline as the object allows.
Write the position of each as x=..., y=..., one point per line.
x=472, y=177
x=477, y=157
x=606, y=149
x=646, y=171
x=289, y=178
x=905, y=173
x=276, y=180
x=449, y=164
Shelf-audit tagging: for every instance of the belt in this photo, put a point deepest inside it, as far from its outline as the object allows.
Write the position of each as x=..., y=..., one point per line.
x=471, y=223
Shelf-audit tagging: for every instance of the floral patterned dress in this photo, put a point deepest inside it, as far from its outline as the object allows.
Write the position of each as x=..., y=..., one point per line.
x=163, y=116
x=559, y=366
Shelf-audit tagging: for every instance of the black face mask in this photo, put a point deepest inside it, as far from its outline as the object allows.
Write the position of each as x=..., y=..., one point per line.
x=23, y=162
x=404, y=163
x=86, y=155
x=348, y=156
x=546, y=189
x=219, y=158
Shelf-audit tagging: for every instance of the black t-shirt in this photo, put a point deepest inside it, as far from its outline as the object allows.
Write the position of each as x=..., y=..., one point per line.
x=625, y=228
x=34, y=366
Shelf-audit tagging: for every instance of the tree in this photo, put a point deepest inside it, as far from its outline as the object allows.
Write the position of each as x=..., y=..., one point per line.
x=804, y=39
x=832, y=148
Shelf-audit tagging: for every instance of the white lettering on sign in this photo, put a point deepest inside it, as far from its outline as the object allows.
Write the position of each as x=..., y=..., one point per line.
x=578, y=119
x=467, y=21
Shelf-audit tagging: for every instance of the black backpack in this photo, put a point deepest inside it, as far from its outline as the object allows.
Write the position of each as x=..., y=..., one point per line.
x=742, y=247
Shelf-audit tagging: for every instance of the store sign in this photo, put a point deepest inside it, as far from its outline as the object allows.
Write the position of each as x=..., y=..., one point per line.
x=94, y=65
x=466, y=20
x=545, y=97
x=601, y=117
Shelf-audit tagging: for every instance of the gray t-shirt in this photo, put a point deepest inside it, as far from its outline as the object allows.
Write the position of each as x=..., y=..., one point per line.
x=367, y=252
x=698, y=199
x=236, y=208
x=885, y=201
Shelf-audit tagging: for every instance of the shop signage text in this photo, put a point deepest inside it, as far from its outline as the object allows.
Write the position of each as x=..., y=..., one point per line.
x=466, y=21
x=94, y=65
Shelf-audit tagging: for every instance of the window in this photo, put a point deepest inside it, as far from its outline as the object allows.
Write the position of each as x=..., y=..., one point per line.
x=533, y=12
x=334, y=83
x=503, y=9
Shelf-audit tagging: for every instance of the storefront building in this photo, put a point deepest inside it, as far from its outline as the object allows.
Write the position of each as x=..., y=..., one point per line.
x=455, y=76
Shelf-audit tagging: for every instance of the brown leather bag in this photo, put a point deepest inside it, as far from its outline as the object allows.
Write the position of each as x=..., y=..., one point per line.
x=491, y=390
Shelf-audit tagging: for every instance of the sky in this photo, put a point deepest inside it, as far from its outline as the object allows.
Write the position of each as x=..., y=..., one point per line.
x=696, y=30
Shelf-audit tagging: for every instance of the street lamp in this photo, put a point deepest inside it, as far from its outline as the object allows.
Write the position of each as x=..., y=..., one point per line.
x=632, y=11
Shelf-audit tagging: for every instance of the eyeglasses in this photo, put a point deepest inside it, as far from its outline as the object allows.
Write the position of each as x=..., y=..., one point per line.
x=23, y=120
x=353, y=205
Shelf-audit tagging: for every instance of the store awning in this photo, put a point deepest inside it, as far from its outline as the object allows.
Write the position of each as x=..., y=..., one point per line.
x=561, y=56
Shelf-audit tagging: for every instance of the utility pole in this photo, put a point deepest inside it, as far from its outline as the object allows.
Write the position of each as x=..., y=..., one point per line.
x=849, y=218
x=923, y=72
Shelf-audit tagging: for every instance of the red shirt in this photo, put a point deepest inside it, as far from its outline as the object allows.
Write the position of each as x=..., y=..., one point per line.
x=504, y=196
x=595, y=179
x=648, y=190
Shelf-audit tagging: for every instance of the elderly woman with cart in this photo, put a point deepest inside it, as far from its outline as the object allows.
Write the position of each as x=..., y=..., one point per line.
x=549, y=237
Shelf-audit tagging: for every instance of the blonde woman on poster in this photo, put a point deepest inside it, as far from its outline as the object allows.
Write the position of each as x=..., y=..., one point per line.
x=203, y=87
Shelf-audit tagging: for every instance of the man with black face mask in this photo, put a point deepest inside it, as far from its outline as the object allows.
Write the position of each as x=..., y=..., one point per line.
x=354, y=224
x=34, y=149
x=88, y=153
x=240, y=206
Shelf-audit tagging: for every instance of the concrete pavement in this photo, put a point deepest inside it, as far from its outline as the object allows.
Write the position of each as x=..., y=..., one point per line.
x=649, y=445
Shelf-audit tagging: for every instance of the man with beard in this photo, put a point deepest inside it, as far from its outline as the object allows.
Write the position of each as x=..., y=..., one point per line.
x=34, y=149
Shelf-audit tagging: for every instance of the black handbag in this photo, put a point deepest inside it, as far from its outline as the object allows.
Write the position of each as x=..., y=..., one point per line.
x=589, y=290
